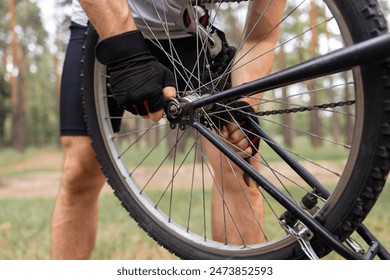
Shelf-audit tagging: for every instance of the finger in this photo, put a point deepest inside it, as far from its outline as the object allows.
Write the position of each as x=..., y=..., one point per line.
x=156, y=116
x=169, y=92
x=224, y=132
x=244, y=153
x=228, y=129
x=232, y=127
x=243, y=144
x=237, y=136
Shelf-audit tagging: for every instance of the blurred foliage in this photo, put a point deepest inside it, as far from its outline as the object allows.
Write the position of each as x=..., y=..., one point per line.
x=43, y=54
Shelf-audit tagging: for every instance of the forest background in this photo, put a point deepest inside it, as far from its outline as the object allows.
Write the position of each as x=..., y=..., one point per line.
x=33, y=40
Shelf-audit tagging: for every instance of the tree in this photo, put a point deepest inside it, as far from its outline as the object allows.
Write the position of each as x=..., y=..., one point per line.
x=4, y=106
x=28, y=64
x=286, y=118
x=316, y=129
x=18, y=85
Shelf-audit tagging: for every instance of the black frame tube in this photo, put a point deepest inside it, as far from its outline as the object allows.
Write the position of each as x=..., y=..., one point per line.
x=306, y=219
x=294, y=164
x=365, y=52
x=340, y=60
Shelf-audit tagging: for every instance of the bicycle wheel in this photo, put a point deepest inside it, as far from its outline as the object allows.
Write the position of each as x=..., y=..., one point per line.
x=336, y=127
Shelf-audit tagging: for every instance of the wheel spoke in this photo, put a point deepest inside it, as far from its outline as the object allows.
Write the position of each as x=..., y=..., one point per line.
x=189, y=180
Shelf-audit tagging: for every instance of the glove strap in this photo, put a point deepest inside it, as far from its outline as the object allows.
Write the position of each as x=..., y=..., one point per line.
x=121, y=47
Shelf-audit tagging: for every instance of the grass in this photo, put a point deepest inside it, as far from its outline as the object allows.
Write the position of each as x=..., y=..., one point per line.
x=119, y=237
x=25, y=222
x=9, y=156
x=302, y=147
x=25, y=230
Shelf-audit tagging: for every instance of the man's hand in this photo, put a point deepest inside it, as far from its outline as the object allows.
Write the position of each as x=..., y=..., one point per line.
x=235, y=136
x=138, y=82
x=238, y=131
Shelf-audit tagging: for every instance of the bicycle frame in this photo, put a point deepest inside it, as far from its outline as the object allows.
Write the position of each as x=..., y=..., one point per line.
x=366, y=52
x=362, y=53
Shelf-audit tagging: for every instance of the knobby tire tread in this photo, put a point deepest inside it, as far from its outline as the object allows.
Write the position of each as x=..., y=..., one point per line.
x=375, y=24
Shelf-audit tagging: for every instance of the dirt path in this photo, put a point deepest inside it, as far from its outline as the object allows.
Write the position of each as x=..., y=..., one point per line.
x=26, y=179
x=40, y=176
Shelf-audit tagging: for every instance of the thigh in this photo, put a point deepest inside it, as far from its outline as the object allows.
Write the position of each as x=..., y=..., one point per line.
x=71, y=101
x=71, y=110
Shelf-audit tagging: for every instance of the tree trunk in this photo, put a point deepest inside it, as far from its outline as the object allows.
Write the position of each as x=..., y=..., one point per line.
x=18, y=87
x=286, y=118
x=315, y=120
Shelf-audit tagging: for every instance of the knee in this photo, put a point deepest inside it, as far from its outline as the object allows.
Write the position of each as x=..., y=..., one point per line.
x=81, y=171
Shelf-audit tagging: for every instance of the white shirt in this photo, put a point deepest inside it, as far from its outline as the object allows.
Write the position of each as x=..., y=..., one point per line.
x=148, y=16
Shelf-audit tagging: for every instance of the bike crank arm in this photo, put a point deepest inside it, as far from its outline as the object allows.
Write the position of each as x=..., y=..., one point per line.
x=315, y=227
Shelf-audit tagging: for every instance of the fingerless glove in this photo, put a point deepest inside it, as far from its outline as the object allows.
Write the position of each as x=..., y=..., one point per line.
x=136, y=78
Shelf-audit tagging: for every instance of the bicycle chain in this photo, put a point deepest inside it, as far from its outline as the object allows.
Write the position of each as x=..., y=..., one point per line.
x=282, y=111
x=306, y=108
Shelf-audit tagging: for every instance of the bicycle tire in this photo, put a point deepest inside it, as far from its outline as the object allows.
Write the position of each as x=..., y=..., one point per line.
x=355, y=194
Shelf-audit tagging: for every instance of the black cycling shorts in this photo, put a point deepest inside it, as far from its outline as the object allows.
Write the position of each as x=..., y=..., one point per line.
x=72, y=121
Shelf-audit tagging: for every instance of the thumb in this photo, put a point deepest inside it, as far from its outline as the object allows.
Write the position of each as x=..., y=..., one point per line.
x=169, y=92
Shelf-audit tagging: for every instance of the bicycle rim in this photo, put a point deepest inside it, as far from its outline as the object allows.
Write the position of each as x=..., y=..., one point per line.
x=162, y=174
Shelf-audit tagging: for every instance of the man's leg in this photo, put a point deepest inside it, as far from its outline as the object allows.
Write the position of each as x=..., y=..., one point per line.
x=74, y=220
x=237, y=209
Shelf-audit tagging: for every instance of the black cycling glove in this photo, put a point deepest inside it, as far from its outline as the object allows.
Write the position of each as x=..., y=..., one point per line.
x=136, y=78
